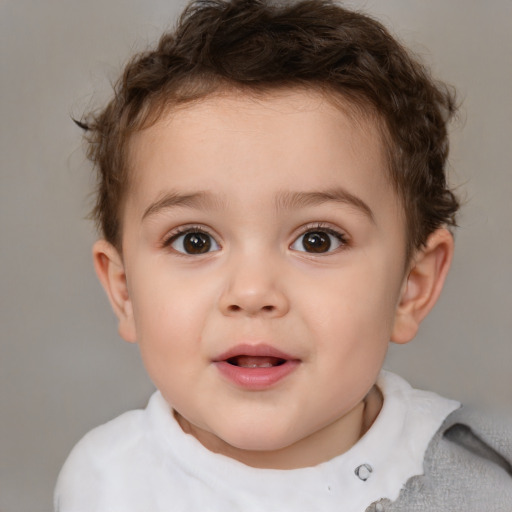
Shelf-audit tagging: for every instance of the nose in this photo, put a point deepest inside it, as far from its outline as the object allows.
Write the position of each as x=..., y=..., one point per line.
x=254, y=288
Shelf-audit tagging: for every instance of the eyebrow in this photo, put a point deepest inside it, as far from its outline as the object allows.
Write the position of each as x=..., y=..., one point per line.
x=173, y=199
x=291, y=200
x=285, y=200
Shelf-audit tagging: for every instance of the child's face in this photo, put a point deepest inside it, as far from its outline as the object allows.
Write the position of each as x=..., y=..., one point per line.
x=262, y=227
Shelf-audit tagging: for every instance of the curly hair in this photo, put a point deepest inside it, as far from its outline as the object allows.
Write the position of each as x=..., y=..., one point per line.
x=260, y=45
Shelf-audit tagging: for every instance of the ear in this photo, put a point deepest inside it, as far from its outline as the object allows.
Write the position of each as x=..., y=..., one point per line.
x=423, y=284
x=109, y=267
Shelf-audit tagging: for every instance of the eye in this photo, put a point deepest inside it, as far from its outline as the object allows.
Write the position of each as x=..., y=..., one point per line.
x=319, y=241
x=193, y=242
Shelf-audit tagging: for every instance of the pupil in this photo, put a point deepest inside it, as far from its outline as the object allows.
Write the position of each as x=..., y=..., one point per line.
x=197, y=243
x=316, y=241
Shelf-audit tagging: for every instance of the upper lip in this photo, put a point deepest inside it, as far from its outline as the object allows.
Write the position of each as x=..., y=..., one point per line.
x=258, y=350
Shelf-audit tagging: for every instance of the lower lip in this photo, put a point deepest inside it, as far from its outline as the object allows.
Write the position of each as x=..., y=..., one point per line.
x=256, y=378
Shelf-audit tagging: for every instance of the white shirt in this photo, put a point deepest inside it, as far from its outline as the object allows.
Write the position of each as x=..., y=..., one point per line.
x=143, y=462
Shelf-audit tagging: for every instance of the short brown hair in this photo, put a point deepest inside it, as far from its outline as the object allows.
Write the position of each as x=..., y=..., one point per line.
x=261, y=45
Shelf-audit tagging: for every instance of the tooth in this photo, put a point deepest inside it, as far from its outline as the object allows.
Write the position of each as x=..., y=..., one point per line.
x=254, y=365
x=255, y=361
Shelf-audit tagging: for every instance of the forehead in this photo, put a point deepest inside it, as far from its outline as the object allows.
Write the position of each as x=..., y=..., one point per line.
x=292, y=140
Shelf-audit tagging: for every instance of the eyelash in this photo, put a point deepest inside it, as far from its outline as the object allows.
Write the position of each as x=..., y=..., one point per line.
x=183, y=230
x=323, y=228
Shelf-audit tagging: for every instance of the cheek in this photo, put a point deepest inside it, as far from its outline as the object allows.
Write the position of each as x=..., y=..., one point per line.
x=170, y=312
x=351, y=318
x=170, y=327
x=361, y=297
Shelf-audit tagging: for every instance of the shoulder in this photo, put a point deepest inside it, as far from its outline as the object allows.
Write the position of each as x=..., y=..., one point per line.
x=483, y=432
x=100, y=457
x=473, y=453
x=467, y=466
x=109, y=440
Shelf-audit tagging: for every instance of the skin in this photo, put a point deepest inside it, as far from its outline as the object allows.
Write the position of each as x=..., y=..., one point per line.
x=255, y=175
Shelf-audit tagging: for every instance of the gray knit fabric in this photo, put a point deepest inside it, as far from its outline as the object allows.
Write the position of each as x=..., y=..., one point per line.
x=468, y=468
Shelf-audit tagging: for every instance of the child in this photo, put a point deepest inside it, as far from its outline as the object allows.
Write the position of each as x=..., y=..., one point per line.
x=274, y=210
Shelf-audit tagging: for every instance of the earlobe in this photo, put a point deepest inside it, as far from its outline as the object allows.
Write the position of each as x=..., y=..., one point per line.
x=110, y=270
x=423, y=284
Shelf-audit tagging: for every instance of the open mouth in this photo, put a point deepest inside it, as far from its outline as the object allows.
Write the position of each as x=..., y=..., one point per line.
x=255, y=367
x=244, y=361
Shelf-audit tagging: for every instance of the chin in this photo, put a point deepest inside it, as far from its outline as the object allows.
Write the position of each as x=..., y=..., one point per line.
x=261, y=440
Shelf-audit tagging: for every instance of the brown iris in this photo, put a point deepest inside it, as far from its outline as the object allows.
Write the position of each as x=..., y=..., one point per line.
x=197, y=243
x=316, y=241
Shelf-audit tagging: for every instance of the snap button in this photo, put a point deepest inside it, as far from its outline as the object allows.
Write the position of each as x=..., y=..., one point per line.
x=363, y=471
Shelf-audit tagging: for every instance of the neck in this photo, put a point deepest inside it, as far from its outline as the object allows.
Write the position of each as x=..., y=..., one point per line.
x=321, y=446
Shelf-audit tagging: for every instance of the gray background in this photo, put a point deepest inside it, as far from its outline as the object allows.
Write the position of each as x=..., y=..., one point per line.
x=63, y=368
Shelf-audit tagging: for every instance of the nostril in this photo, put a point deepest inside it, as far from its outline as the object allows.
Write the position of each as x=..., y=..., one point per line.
x=234, y=308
